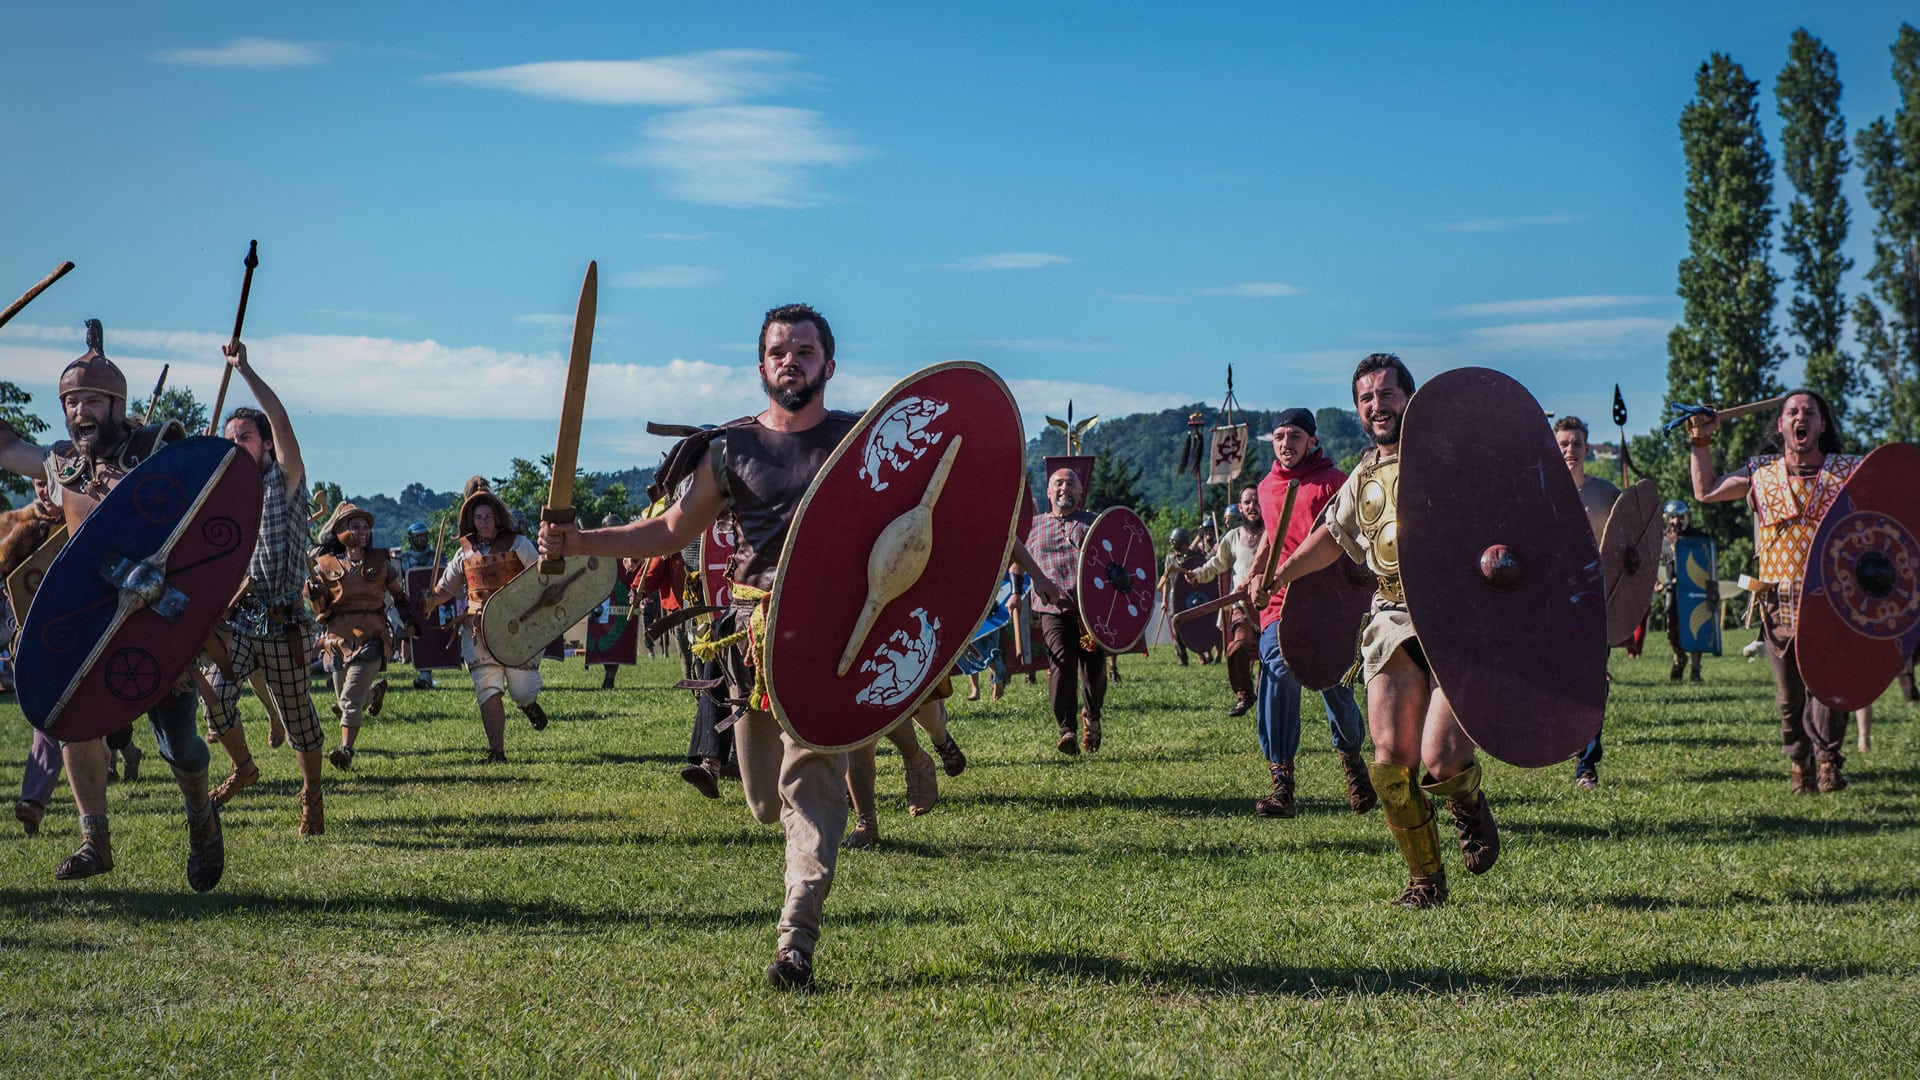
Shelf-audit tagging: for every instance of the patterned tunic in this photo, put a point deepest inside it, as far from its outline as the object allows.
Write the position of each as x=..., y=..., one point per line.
x=1054, y=543
x=278, y=569
x=1787, y=511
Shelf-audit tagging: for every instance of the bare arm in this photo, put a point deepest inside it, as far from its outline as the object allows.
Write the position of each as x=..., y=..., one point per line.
x=1708, y=486
x=20, y=457
x=1317, y=552
x=647, y=538
x=1216, y=564
x=1047, y=589
x=286, y=448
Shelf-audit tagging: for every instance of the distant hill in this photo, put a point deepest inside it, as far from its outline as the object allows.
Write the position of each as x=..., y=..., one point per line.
x=1151, y=442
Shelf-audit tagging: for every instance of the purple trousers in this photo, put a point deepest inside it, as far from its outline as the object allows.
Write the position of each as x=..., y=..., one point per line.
x=42, y=771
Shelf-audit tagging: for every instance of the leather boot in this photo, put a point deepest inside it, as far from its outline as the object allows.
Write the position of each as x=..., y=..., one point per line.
x=1279, y=801
x=1360, y=794
x=1472, y=817
x=1091, y=725
x=313, y=817
x=923, y=777
x=245, y=772
x=95, y=856
x=1828, y=778
x=206, y=847
x=1416, y=832
x=952, y=758
x=865, y=834
x=1800, y=777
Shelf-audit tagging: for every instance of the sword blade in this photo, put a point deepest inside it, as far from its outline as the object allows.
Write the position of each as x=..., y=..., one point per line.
x=559, y=506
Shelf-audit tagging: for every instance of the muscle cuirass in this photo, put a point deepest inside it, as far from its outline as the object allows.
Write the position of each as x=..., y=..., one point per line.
x=1379, y=490
x=487, y=573
x=766, y=474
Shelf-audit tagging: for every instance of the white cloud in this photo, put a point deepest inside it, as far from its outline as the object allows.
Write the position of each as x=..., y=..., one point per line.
x=256, y=53
x=741, y=155
x=669, y=277
x=1254, y=290
x=715, y=77
x=1505, y=224
x=1007, y=260
x=1572, y=337
x=1546, y=305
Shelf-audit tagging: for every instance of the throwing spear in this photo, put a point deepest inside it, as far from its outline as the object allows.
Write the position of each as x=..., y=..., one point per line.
x=239, y=320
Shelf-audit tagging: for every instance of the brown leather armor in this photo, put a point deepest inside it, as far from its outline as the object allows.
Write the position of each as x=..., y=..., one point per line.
x=80, y=482
x=350, y=599
x=485, y=574
x=764, y=475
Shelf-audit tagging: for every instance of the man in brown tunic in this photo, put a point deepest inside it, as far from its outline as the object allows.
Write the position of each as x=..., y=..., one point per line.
x=349, y=588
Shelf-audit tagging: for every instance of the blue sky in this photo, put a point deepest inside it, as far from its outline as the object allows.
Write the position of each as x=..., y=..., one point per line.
x=1108, y=203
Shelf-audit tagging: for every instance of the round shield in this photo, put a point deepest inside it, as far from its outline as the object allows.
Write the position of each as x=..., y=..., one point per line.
x=894, y=555
x=536, y=609
x=1859, y=616
x=1320, y=621
x=1497, y=562
x=127, y=604
x=1630, y=559
x=1115, y=581
x=1199, y=633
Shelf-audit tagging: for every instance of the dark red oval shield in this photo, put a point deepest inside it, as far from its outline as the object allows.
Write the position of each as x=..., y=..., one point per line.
x=1520, y=647
x=1630, y=559
x=1320, y=621
x=1859, y=616
x=128, y=603
x=1115, y=582
x=1199, y=633
x=894, y=556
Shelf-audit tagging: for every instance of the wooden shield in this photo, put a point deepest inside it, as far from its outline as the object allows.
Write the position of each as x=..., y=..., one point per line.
x=127, y=604
x=1199, y=633
x=1498, y=564
x=1859, y=617
x=25, y=579
x=612, y=629
x=1320, y=622
x=536, y=609
x=1630, y=559
x=1695, y=592
x=1114, y=585
x=439, y=645
x=894, y=556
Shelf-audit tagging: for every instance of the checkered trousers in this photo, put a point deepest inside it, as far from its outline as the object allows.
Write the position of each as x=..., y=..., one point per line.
x=287, y=678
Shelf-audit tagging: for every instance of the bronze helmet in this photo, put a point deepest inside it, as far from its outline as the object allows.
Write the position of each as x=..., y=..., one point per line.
x=94, y=371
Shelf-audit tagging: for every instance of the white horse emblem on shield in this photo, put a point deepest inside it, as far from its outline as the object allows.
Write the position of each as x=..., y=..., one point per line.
x=900, y=438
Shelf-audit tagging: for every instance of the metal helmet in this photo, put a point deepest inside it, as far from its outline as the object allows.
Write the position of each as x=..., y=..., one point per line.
x=1675, y=507
x=94, y=371
x=1180, y=537
x=1232, y=515
x=418, y=528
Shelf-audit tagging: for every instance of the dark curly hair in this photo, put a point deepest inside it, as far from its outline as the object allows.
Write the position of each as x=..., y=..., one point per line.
x=1384, y=360
x=791, y=314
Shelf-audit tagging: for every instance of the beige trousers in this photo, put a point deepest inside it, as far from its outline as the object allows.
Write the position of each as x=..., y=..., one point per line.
x=806, y=792
x=353, y=687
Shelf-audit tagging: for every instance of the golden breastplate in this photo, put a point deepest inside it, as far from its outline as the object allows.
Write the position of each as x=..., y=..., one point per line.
x=1379, y=496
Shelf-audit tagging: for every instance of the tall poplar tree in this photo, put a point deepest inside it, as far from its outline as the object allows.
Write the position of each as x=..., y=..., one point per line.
x=1889, y=332
x=1723, y=351
x=1813, y=150
x=13, y=412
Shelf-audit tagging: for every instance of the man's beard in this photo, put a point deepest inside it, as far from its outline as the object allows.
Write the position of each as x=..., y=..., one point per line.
x=96, y=441
x=1388, y=439
x=792, y=398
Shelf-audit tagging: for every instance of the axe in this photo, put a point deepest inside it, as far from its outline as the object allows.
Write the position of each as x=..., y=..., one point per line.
x=1688, y=412
x=239, y=320
x=27, y=297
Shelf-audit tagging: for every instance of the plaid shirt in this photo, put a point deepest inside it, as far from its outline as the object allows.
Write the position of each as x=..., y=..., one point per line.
x=279, y=562
x=1055, y=543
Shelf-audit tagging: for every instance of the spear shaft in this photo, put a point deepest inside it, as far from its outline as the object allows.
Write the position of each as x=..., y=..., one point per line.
x=239, y=320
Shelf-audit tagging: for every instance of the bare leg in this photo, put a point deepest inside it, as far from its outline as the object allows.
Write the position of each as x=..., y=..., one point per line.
x=493, y=719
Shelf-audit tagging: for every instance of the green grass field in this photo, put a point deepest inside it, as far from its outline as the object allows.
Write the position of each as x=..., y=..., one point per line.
x=581, y=911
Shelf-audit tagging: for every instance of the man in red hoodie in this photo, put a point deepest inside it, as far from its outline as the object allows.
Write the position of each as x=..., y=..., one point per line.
x=1297, y=457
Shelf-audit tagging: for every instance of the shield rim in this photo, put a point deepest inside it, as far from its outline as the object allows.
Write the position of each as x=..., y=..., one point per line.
x=1810, y=603
x=608, y=567
x=41, y=559
x=1416, y=585
x=806, y=501
x=124, y=608
x=1649, y=535
x=1080, y=573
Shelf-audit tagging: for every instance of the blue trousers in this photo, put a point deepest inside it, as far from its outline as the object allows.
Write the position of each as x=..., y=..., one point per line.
x=1277, y=716
x=173, y=729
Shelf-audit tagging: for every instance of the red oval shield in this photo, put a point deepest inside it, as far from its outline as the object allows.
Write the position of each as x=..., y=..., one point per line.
x=1521, y=646
x=894, y=556
x=1115, y=582
x=1629, y=558
x=1320, y=621
x=1859, y=615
